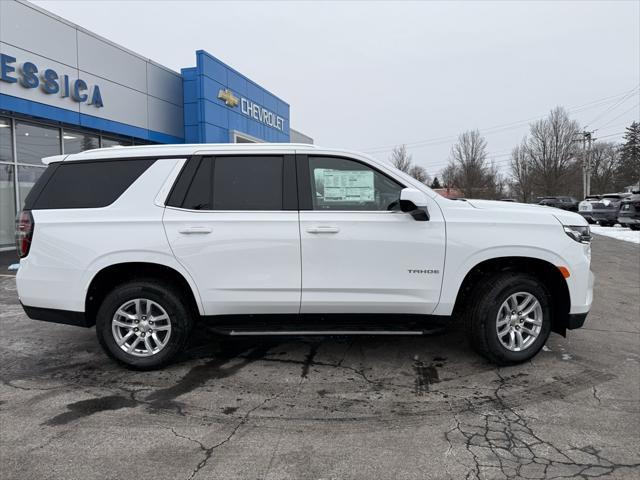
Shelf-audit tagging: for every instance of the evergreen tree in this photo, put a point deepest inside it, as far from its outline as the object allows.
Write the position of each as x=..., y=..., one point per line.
x=628, y=171
x=436, y=183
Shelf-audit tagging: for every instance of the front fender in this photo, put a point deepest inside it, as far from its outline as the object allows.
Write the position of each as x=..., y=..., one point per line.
x=455, y=272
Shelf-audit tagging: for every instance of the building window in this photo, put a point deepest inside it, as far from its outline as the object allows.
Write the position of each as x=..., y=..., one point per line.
x=115, y=142
x=34, y=142
x=6, y=144
x=27, y=177
x=7, y=205
x=75, y=142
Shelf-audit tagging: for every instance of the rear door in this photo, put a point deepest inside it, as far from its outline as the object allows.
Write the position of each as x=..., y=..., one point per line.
x=232, y=221
x=360, y=254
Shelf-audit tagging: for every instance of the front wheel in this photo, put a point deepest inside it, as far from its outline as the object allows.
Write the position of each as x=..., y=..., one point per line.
x=509, y=320
x=143, y=324
x=634, y=226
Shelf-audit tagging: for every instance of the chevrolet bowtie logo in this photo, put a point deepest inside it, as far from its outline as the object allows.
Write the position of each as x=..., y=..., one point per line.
x=228, y=97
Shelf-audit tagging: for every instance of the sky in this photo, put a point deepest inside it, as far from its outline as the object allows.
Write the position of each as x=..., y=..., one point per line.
x=370, y=75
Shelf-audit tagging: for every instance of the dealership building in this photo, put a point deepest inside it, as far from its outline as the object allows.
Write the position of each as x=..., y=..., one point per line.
x=64, y=89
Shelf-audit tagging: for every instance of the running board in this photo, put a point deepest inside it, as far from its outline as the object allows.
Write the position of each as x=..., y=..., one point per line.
x=247, y=333
x=320, y=325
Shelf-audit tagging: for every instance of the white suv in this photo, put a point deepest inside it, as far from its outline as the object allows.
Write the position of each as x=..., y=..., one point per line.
x=147, y=242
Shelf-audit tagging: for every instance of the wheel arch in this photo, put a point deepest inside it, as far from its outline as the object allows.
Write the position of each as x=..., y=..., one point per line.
x=109, y=276
x=544, y=270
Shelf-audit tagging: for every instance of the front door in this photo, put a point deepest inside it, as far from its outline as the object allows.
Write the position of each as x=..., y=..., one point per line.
x=235, y=230
x=360, y=253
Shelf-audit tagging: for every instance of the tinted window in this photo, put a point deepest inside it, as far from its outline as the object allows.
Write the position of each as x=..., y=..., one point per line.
x=199, y=192
x=85, y=184
x=247, y=183
x=230, y=183
x=342, y=184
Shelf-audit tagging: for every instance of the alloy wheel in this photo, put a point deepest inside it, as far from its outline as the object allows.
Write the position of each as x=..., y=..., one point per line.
x=519, y=321
x=141, y=327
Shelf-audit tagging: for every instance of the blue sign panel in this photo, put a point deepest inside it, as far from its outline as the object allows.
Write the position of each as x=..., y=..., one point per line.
x=220, y=102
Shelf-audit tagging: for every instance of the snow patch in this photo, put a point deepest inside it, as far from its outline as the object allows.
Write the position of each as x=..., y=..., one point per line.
x=617, y=232
x=546, y=349
x=566, y=356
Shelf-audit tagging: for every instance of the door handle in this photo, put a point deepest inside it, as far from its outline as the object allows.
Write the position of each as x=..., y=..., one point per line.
x=323, y=230
x=194, y=230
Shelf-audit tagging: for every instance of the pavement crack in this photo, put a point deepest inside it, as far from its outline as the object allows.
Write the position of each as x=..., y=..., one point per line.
x=501, y=443
x=595, y=395
x=208, y=451
x=308, y=359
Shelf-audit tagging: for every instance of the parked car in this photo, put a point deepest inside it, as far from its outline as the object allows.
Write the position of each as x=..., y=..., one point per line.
x=585, y=207
x=629, y=213
x=565, y=203
x=605, y=211
x=148, y=243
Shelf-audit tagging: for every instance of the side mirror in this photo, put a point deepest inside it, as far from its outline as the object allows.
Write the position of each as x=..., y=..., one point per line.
x=414, y=202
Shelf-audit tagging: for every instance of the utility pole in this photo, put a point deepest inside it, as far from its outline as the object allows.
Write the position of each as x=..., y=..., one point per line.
x=587, y=138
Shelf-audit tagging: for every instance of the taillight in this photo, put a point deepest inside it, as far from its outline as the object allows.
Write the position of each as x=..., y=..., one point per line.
x=24, y=232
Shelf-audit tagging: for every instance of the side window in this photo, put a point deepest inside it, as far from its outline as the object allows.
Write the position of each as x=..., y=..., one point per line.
x=247, y=183
x=85, y=184
x=232, y=183
x=343, y=184
x=198, y=195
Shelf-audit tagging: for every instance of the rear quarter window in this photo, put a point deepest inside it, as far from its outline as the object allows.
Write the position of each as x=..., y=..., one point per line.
x=85, y=184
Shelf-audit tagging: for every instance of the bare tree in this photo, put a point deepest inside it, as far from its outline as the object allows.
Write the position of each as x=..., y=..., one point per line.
x=551, y=150
x=449, y=175
x=401, y=159
x=521, y=172
x=419, y=173
x=605, y=158
x=469, y=168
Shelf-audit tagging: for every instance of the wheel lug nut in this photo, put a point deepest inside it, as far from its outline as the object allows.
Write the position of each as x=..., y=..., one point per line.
x=150, y=331
x=136, y=321
x=143, y=334
x=135, y=329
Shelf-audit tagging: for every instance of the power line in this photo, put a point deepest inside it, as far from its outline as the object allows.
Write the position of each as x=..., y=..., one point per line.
x=611, y=135
x=497, y=128
x=614, y=106
x=622, y=114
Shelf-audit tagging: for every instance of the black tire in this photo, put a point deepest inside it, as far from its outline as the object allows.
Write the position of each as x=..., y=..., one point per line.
x=634, y=227
x=174, y=304
x=482, y=312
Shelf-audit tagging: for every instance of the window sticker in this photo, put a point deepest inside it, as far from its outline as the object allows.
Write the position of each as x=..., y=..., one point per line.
x=347, y=185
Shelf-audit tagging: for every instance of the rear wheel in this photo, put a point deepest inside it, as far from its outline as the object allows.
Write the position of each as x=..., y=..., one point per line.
x=143, y=324
x=509, y=320
x=634, y=226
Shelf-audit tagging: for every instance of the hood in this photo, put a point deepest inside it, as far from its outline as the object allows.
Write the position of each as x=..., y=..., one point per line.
x=563, y=216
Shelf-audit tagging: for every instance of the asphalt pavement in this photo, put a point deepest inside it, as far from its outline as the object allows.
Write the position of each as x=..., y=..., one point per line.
x=329, y=408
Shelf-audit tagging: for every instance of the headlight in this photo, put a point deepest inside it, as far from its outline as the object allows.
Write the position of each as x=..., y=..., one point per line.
x=578, y=233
